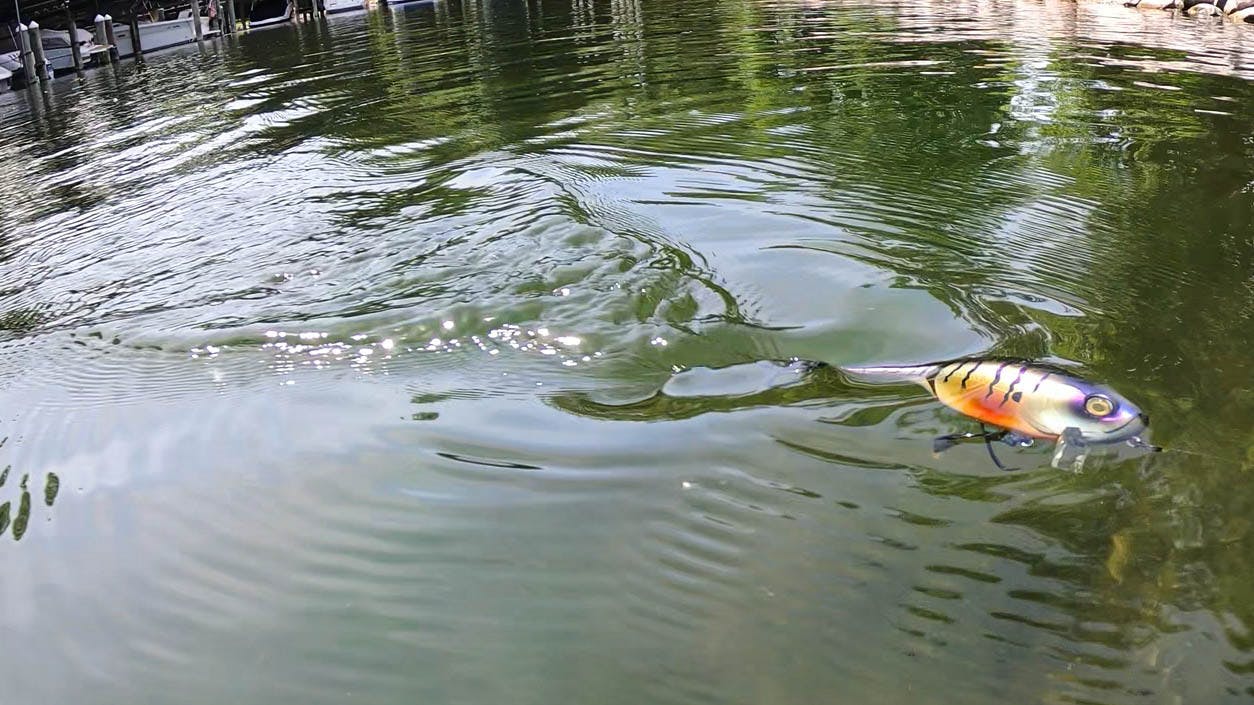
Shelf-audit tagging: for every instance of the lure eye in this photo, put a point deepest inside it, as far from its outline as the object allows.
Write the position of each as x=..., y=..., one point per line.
x=1098, y=406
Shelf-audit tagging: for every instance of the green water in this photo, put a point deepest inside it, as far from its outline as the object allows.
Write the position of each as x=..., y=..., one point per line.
x=422, y=355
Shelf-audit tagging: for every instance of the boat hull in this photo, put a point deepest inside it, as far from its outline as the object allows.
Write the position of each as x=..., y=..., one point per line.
x=333, y=6
x=12, y=63
x=258, y=18
x=159, y=35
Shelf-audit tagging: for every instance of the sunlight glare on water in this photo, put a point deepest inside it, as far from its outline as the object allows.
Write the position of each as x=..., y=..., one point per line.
x=437, y=353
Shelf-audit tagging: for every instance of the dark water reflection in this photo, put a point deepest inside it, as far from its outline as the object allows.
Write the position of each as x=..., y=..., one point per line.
x=338, y=362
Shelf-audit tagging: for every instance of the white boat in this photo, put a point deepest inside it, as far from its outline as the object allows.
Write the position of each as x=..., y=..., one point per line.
x=11, y=63
x=333, y=6
x=267, y=12
x=5, y=75
x=59, y=53
x=159, y=35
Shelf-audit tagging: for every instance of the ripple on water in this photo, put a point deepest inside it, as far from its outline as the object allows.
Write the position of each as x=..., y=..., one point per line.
x=413, y=354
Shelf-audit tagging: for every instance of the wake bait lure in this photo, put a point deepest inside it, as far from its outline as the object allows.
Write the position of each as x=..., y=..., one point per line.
x=1025, y=401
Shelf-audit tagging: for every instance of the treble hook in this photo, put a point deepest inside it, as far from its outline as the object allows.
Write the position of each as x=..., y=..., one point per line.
x=988, y=443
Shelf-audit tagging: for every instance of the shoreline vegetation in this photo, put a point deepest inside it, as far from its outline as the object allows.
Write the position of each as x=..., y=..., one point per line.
x=1216, y=45
x=1235, y=10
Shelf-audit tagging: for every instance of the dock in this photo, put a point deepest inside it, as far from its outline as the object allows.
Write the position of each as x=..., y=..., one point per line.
x=42, y=39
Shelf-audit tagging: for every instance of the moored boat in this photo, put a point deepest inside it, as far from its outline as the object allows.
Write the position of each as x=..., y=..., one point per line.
x=160, y=35
x=333, y=6
x=58, y=52
x=268, y=12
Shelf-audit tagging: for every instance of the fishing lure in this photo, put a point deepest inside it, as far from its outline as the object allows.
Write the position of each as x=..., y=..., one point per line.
x=1025, y=401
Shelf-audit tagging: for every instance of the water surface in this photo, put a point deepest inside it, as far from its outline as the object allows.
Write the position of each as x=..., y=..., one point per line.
x=423, y=355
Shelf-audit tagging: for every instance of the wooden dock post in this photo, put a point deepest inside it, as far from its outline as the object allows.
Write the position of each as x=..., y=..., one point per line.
x=113, y=40
x=136, y=46
x=37, y=48
x=196, y=21
x=28, y=59
x=102, y=37
x=75, y=49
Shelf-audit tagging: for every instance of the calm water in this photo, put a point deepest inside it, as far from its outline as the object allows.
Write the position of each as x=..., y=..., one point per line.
x=421, y=356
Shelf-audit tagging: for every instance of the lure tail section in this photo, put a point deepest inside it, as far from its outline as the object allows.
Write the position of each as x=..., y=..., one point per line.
x=892, y=374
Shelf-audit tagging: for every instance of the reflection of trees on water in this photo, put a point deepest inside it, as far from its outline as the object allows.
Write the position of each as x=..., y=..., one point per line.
x=1119, y=576
x=1157, y=252
x=873, y=128
x=1162, y=262
x=1163, y=266
x=910, y=168
x=15, y=514
x=1170, y=285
